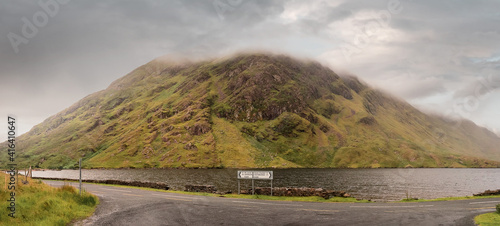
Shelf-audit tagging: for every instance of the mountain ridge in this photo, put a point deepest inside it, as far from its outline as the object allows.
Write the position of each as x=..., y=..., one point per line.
x=250, y=110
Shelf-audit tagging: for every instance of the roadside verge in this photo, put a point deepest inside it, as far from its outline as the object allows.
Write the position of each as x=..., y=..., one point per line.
x=35, y=203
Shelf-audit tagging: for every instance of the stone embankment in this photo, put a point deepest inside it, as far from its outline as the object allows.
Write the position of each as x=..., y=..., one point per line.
x=488, y=193
x=279, y=191
x=283, y=191
x=157, y=185
x=201, y=188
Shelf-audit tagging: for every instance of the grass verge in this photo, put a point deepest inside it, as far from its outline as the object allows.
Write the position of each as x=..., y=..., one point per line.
x=260, y=197
x=296, y=199
x=449, y=198
x=487, y=219
x=39, y=204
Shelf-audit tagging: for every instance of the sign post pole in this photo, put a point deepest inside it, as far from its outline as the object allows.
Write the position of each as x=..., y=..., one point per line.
x=239, y=186
x=253, y=188
x=80, y=166
x=271, y=187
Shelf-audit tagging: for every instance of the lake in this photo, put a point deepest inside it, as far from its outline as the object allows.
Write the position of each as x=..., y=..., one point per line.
x=374, y=184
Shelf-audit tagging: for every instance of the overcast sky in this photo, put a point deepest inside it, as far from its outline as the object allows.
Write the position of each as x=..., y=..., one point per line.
x=440, y=56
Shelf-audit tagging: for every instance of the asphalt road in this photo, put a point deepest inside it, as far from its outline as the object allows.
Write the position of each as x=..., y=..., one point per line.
x=129, y=206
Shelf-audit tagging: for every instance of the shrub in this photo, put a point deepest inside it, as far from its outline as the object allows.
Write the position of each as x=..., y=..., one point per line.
x=324, y=128
x=223, y=110
x=286, y=125
x=87, y=199
x=368, y=120
x=248, y=130
x=326, y=108
x=498, y=208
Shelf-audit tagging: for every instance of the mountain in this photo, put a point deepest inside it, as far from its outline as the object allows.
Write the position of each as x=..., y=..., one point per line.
x=249, y=110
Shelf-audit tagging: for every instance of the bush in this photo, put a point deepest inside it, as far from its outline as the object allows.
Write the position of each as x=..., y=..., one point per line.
x=498, y=208
x=248, y=130
x=286, y=125
x=368, y=120
x=223, y=110
x=326, y=108
x=87, y=199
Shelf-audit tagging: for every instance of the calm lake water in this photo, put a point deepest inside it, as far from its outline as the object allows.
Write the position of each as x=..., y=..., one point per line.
x=375, y=184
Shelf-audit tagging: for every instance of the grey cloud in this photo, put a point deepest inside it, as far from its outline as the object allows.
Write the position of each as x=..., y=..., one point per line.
x=86, y=29
x=88, y=44
x=444, y=45
x=479, y=87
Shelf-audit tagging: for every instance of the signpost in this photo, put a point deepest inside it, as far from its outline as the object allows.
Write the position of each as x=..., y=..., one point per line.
x=255, y=175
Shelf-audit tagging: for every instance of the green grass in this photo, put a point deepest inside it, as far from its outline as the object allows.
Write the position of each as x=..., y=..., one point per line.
x=41, y=204
x=450, y=198
x=488, y=219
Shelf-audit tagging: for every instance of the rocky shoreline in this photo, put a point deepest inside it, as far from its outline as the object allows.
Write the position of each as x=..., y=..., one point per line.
x=298, y=192
x=202, y=188
x=157, y=185
x=488, y=193
x=278, y=191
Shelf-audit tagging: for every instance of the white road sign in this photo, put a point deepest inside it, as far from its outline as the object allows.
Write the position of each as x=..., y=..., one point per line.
x=256, y=175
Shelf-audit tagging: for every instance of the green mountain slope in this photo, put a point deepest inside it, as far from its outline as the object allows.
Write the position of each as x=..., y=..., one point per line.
x=249, y=110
